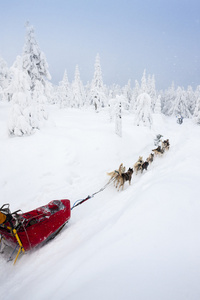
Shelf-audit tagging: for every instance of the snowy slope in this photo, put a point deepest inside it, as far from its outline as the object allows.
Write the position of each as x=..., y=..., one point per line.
x=141, y=243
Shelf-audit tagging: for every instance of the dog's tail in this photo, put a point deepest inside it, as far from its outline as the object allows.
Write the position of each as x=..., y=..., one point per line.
x=110, y=173
x=121, y=169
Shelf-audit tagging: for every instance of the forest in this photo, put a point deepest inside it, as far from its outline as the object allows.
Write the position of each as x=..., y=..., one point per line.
x=27, y=86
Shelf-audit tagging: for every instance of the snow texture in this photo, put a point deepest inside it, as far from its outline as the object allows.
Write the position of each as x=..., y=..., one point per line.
x=142, y=243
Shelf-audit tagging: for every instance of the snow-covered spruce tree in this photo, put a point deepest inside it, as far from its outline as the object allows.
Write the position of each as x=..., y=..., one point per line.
x=168, y=100
x=97, y=92
x=114, y=90
x=78, y=92
x=151, y=90
x=118, y=115
x=181, y=106
x=64, y=91
x=191, y=99
x=41, y=110
x=157, y=108
x=4, y=80
x=135, y=94
x=143, y=86
x=22, y=115
x=87, y=94
x=111, y=108
x=35, y=64
x=197, y=93
x=143, y=115
x=196, y=116
x=127, y=93
x=55, y=95
x=49, y=92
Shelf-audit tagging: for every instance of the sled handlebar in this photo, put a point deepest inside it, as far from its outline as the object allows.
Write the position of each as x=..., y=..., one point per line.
x=15, y=212
x=7, y=209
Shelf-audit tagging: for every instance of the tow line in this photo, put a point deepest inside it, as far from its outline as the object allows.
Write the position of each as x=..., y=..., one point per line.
x=80, y=201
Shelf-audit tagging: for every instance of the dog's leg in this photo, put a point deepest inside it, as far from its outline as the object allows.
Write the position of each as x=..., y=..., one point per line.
x=120, y=185
x=117, y=183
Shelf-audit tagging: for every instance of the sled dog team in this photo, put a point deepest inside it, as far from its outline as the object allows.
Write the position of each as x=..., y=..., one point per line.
x=120, y=176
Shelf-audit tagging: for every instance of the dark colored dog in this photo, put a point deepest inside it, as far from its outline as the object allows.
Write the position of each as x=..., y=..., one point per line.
x=150, y=158
x=121, y=179
x=165, y=145
x=145, y=166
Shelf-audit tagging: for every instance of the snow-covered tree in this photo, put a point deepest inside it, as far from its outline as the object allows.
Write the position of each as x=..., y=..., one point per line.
x=35, y=64
x=191, y=99
x=135, y=94
x=143, y=115
x=41, y=105
x=55, y=95
x=168, y=100
x=4, y=80
x=197, y=92
x=118, y=115
x=22, y=119
x=87, y=88
x=143, y=87
x=127, y=93
x=97, y=92
x=157, y=108
x=196, y=115
x=197, y=96
x=78, y=92
x=49, y=92
x=151, y=90
x=181, y=106
x=34, y=60
x=64, y=91
x=114, y=90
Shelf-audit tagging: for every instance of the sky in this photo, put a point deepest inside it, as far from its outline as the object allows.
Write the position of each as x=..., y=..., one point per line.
x=162, y=37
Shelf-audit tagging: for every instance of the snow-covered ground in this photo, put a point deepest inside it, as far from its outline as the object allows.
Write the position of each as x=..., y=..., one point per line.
x=142, y=243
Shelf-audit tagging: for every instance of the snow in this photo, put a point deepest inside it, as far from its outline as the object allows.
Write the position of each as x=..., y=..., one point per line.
x=141, y=243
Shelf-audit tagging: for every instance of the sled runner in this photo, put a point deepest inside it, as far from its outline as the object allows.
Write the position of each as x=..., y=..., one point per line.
x=30, y=229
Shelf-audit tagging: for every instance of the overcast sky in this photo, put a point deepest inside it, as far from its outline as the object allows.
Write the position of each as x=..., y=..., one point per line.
x=162, y=37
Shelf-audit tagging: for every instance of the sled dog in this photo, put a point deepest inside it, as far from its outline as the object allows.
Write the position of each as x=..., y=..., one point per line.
x=158, y=151
x=144, y=166
x=150, y=158
x=121, y=179
x=138, y=165
x=115, y=173
x=165, y=145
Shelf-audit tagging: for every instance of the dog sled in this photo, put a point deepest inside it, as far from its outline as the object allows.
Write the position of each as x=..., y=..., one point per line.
x=26, y=231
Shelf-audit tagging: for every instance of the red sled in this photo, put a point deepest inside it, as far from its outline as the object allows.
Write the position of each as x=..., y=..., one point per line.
x=30, y=229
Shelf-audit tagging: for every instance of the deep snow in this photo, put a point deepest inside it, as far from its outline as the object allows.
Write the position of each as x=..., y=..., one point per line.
x=140, y=243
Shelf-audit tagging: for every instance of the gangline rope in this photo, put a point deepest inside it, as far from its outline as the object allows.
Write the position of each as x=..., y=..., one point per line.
x=80, y=201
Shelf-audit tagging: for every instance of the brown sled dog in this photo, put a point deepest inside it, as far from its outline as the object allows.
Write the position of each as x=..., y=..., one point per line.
x=158, y=151
x=115, y=173
x=165, y=145
x=138, y=165
x=121, y=179
x=150, y=158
